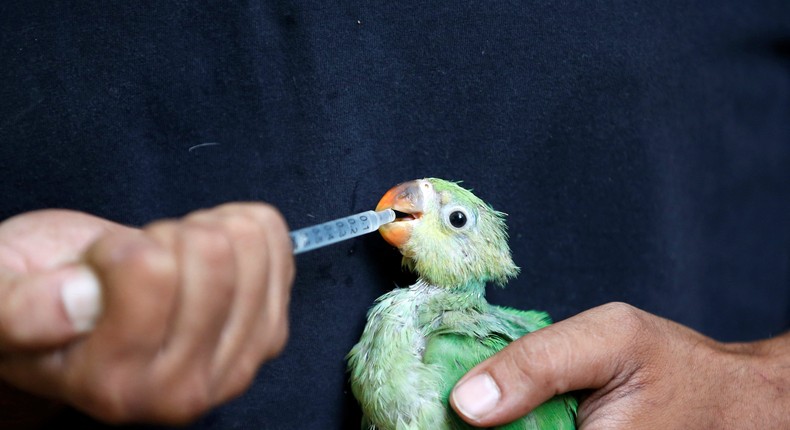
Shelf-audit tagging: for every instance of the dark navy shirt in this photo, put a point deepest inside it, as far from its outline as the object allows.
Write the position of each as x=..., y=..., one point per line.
x=641, y=149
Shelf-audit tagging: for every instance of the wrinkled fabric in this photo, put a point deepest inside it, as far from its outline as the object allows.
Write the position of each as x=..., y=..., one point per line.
x=642, y=151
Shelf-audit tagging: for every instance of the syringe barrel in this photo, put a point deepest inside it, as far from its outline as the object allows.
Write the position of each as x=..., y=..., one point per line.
x=320, y=235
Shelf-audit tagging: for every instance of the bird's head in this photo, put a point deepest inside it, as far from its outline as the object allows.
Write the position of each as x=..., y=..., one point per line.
x=447, y=234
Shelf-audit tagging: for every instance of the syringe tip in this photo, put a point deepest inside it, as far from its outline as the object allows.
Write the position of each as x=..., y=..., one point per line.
x=386, y=216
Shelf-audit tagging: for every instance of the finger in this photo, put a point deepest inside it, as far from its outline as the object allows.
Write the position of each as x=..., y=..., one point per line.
x=281, y=276
x=108, y=375
x=138, y=280
x=590, y=350
x=247, y=233
x=47, y=309
x=165, y=378
x=264, y=263
x=206, y=291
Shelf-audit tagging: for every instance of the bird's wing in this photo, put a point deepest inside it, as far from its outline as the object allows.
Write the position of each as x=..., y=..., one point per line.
x=454, y=352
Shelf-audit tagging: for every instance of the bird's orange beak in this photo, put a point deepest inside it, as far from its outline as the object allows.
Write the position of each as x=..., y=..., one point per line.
x=406, y=200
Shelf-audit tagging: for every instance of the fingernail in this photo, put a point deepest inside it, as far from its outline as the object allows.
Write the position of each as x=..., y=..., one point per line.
x=81, y=296
x=477, y=396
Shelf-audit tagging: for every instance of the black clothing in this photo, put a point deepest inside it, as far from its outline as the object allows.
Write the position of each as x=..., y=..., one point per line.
x=641, y=150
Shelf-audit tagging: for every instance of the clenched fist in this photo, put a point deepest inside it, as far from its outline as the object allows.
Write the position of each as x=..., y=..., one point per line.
x=157, y=324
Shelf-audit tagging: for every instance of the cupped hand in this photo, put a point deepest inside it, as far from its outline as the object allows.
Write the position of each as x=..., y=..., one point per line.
x=637, y=371
x=157, y=324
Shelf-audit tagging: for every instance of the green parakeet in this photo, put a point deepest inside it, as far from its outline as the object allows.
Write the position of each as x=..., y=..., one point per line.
x=419, y=341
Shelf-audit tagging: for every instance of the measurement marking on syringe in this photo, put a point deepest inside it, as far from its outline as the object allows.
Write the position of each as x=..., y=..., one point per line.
x=316, y=236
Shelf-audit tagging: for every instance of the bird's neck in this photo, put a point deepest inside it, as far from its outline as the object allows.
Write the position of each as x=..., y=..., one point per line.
x=462, y=296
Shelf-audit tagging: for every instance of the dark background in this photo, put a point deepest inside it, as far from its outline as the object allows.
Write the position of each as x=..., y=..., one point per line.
x=642, y=149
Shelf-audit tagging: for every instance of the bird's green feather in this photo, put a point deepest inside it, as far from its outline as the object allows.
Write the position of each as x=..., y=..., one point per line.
x=445, y=256
x=419, y=341
x=455, y=354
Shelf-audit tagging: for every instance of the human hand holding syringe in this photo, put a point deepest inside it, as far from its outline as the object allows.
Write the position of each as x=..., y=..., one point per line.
x=92, y=290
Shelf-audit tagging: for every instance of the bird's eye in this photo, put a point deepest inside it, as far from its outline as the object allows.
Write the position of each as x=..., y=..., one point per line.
x=457, y=219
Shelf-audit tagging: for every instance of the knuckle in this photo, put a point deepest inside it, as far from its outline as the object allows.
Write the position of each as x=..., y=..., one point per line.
x=207, y=240
x=134, y=260
x=542, y=362
x=522, y=361
x=109, y=251
x=531, y=359
x=274, y=343
x=633, y=334
x=281, y=273
x=268, y=212
x=172, y=401
x=263, y=213
x=279, y=339
x=273, y=319
x=561, y=356
x=626, y=317
x=162, y=231
x=161, y=226
x=273, y=220
x=11, y=330
x=241, y=375
x=130, y=252
x=137, y=258
x=155, y=268
x=619, y=309
x=241, y=225
x=112, y=399
x=200, y=216
x=119, y=396
x=191, y=399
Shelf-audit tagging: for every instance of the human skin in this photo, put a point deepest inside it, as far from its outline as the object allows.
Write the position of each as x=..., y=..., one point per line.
x=637, y=371
x=190, y=308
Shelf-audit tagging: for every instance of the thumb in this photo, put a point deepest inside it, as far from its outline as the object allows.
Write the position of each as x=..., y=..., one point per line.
x=48, y=309
x=586, y=351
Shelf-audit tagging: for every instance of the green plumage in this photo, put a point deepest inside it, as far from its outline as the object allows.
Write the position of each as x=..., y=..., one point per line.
x=419, y=341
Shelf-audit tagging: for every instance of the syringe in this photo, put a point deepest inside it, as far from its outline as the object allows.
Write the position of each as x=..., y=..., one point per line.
x=320, y=235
